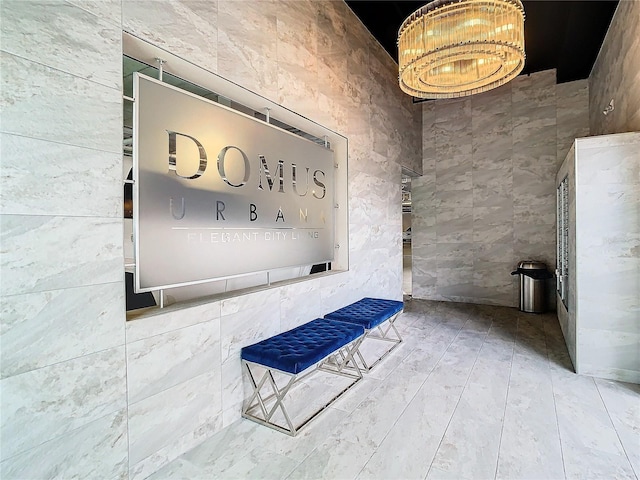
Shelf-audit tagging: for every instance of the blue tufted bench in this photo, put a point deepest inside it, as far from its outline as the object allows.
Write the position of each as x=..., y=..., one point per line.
x=371, y=314
x=325, y=345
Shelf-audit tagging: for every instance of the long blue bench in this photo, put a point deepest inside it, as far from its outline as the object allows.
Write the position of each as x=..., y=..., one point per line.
x=321, y=344
x=377, y=316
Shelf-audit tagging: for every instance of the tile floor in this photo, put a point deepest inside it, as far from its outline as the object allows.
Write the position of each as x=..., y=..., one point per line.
x=474, y=392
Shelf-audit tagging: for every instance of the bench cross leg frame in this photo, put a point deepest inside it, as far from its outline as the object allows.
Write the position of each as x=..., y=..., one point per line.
x=267, y=398
x=387, y=334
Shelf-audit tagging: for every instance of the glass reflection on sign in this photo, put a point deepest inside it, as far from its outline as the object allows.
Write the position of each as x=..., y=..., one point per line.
x=220, y=194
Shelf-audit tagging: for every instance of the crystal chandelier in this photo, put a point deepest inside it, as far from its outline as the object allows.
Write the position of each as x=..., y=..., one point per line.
x=455, y=48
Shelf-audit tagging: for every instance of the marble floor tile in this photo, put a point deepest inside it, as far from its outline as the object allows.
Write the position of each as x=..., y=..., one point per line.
x=530, y=443
x=586, y=430
x=622, y=401
x=410, y=446
x=361, y=391
x=326, y=462
x=178, y=469
x=257, y=465
x=474, y=392
x=426, y=418
x=469, y=447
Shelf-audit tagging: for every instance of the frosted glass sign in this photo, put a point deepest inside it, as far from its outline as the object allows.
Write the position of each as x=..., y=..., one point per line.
x=220, y=194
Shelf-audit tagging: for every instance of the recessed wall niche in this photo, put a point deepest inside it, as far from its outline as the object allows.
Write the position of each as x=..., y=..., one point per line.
x=183, y=76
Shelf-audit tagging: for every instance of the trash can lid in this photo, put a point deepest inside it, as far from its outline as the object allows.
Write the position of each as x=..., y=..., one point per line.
x=532, y=265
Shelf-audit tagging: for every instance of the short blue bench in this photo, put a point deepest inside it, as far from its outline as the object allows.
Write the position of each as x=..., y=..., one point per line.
x=372, y=314
x=321, y=344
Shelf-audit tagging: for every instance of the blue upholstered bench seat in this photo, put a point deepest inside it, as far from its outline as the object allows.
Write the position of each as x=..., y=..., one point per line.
x=368, y=312
x=296, y=350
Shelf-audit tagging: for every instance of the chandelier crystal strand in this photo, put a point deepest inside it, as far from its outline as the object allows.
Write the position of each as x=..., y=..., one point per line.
x=455, y=48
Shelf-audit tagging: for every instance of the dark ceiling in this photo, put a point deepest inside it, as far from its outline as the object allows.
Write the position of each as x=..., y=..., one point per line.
x=565, y=35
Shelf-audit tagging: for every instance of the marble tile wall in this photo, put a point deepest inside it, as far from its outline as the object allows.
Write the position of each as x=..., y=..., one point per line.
x=487, y=196
x=317, y=59
x=608, y=265
x=62, y=333
x=571, y=97
x=84, y=392
x=616, y=74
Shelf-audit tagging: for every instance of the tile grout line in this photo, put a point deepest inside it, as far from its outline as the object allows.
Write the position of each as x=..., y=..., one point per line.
x=349, y=413
x=412, y=398
x=126, y=380
x=57, y=142
x=59, y=362
x=553, y=393
x=60, y=289
x=57, y=437
x=117, y=88
x=614, y=428
x=506, y=399
x=460, y=397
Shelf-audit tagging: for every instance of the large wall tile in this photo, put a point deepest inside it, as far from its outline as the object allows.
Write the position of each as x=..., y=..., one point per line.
x=249, y=325
x=48, y=253
x=187, y=28
x=615, y=75
x=333, y=24
x=454, y=225
x=512, y=136
x=182, y=444
x=109, y=10
x=536, y=90
x=368, y=200
x=46, y=178
x=230, y=306
x=494, y=252
x=541, y=215
x=572, y=100
x=46, y=403
x=607, y=351
x=492, y=188
x=599, y=165
x=95, y=450
x=45, y=328
x=163, y=361
x=453, y=199
x=297, y=56
x=484, y=232
x=348, y=82
x=455, y=175
x=595, y=305
x=493, y=102
x=611, y=214
x=453, y=255
x=604, y=269
x=169, y=319
x=243, y=54
x=39, y=31
x=542, y=252
x=337, y=294
x=64, y=108
x=162, y=422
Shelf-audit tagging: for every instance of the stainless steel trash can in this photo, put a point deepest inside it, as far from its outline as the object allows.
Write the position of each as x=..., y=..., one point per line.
x=533, y=286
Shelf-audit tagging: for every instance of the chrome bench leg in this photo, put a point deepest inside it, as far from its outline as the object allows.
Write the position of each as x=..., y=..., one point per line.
x=258, y=400
x=258, y=405
x=388, y=334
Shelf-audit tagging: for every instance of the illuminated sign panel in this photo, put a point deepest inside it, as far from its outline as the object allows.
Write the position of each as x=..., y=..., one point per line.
x=220, y=194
